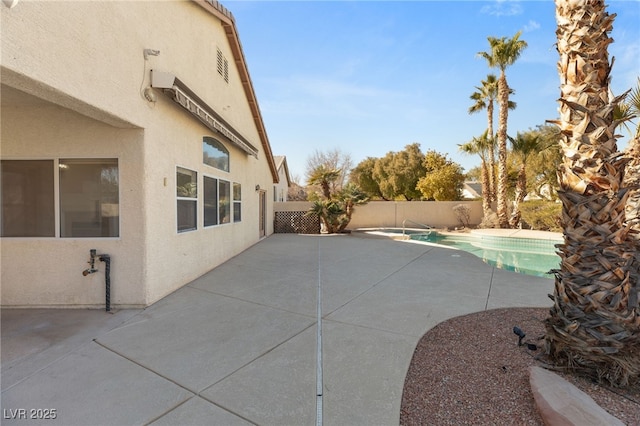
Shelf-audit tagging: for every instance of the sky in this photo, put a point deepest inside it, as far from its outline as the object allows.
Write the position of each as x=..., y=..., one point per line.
x=369, y=77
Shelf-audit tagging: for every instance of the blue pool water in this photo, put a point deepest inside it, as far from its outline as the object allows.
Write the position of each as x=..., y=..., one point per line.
x=523, y=255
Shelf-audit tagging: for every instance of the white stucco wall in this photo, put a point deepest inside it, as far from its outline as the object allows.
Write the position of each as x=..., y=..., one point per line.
x=88, y=57
x=48, y=271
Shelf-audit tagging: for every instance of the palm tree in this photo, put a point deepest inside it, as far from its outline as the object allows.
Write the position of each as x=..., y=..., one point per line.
x=594, y=324
x=626, y=111
x=335, y=209
x=485, y=97
x=329, y=212
x=483, y=147
x=504, y=52
x=324, y=177
x=350, y=197
x=522, y=146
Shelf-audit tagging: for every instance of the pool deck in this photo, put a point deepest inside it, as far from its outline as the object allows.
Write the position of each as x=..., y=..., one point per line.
x=239, y=345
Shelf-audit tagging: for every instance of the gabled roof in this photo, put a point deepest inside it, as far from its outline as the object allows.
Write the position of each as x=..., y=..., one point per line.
x=281, y=163
x=472, y=190
x=228, y=23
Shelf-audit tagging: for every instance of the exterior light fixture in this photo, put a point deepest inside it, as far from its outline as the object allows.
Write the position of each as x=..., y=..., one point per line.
x=257, y=187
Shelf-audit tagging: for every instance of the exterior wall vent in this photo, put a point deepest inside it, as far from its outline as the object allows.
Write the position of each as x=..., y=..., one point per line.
x=223, y=66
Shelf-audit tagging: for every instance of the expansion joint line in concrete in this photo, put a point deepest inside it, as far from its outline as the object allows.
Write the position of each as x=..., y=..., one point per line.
x=486, y=304
x=319, y=384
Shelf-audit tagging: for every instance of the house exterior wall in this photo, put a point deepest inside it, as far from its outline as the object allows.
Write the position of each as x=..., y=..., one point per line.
x=85, y=61
x=48, y=271
x=281, y=189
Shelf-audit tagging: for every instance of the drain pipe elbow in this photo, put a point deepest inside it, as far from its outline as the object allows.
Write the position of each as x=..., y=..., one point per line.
x=107, y=280
x=107, y=273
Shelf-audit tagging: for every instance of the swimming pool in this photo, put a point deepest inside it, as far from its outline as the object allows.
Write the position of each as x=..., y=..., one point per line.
x=529, y=256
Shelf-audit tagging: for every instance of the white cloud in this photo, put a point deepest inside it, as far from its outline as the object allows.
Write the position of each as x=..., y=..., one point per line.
x=503, y=8
x=531, y=26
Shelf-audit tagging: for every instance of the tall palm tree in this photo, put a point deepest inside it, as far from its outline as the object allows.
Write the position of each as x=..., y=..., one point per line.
x=523, y=145
x=485, y=97
x=594, y=324
x=504, y=52
x=482, y=146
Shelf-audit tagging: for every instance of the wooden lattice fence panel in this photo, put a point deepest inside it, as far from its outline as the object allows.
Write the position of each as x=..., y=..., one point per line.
x=296, y=223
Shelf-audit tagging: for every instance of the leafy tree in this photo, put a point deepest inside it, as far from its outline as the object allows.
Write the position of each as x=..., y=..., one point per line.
x=503, y=53
x=362, y=176
x=382, y=174
x=594, y=324
x=443, y=180
x=397, y=173
x=474, y=174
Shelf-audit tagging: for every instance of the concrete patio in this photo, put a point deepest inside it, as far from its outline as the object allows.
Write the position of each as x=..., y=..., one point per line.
x=239, y=344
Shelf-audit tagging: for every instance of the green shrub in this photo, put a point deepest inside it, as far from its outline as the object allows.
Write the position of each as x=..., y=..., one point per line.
x=542, y=215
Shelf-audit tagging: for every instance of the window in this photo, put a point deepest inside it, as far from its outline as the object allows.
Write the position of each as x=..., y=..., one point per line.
x=218, y=204
x=210, y=201
x=214, y=154
x=89, y=201
x=237, y=202
x=223, y=66
x=224, y=201
x=88, y=190
x=28, y=206
x=187, y=197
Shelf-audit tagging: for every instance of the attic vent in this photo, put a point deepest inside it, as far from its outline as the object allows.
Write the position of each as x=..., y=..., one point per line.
x=223, y=66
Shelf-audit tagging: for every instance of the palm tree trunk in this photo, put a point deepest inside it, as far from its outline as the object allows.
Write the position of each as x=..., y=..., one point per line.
x=486, y=200
x=492, y=154
x=503, y=96
x=594, y=324
x=521, y=192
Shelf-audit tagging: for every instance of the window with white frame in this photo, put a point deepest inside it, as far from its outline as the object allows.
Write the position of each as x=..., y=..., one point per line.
x=219, y=206
x=88, y=198
x=237, y=202
x=224, y=201
x=210, y=196
x=187, y=199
